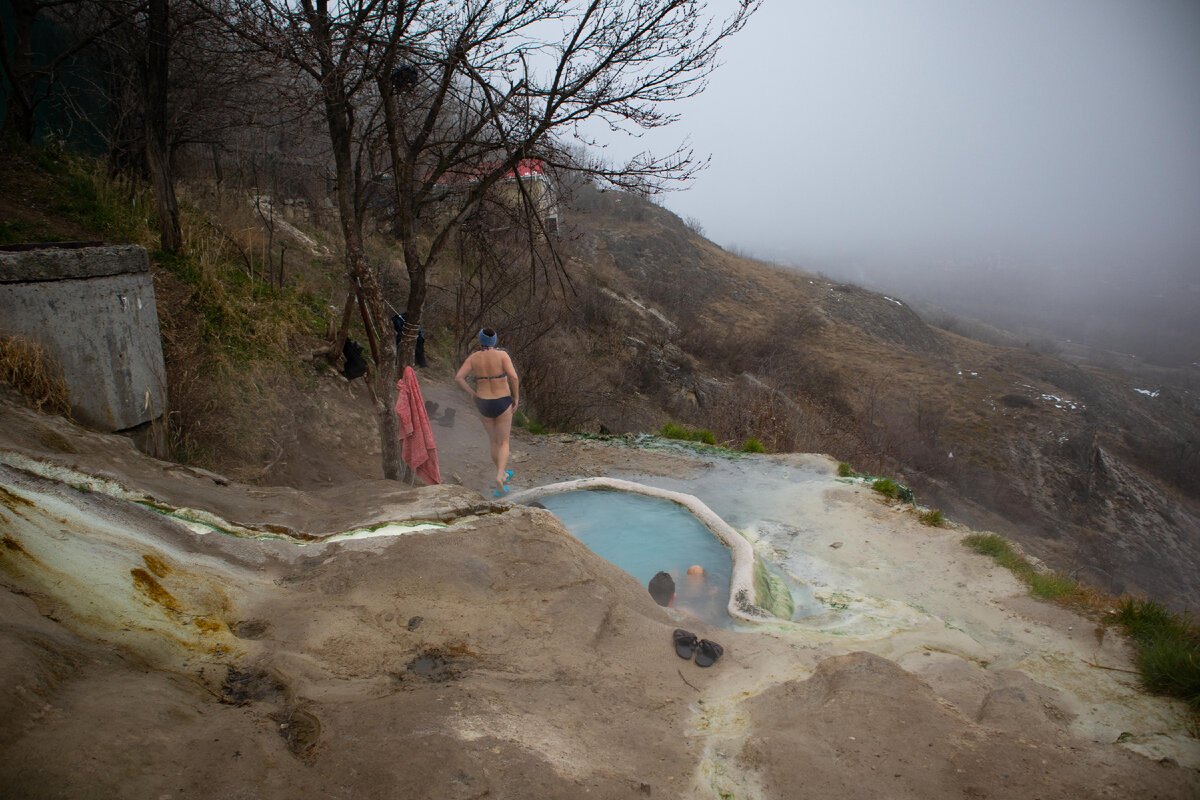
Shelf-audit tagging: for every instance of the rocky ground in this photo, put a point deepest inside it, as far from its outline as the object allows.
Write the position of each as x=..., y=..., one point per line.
x=497, y=657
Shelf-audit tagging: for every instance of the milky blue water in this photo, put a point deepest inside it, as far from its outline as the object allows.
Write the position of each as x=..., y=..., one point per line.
x=643, y=535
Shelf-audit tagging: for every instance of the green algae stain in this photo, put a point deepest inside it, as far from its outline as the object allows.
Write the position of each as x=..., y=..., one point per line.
x=771, y=592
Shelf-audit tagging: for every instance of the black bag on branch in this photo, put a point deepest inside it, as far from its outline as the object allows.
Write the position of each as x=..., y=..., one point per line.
x=419, y=354
x=356, y=365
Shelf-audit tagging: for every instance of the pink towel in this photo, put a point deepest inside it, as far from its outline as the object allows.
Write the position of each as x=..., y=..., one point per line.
x=417, y=447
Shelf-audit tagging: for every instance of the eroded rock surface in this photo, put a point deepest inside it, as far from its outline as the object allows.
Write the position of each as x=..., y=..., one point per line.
x=498, y=657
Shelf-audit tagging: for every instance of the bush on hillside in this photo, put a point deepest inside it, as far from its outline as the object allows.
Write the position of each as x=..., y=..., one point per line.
x=887, y=487
x=1168, y=649
x=934, y=518
x=522, y=420
x=672, y=430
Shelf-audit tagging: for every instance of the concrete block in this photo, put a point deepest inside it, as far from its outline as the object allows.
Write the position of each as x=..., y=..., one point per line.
x=93, y=308
x=54, y=263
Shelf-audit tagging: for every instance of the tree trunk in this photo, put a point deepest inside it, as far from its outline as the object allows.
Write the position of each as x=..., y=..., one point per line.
x=158, y=160
x=18, y=111
x=362, y=278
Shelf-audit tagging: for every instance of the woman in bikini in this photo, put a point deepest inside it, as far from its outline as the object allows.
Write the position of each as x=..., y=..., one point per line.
x=495, y=396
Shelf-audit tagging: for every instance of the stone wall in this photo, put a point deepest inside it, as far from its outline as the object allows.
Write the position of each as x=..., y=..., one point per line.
x=93, y=308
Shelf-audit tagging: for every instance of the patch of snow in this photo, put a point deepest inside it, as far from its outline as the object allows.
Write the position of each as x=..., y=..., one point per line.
x=892, y=300
x=1061, y=403
x=1147, y=392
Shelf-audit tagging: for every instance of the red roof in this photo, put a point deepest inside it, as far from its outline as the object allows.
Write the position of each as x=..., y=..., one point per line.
x=525, y=168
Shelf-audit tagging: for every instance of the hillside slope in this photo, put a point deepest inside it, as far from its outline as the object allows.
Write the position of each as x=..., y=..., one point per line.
x=1092, y=471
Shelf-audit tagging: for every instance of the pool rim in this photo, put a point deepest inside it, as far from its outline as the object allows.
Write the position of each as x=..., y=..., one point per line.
x=741, y=605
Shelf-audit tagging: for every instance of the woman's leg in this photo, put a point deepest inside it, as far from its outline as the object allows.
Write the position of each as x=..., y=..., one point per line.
x=498, y=432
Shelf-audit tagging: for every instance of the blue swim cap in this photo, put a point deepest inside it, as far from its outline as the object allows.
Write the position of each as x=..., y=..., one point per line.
x=487, y=337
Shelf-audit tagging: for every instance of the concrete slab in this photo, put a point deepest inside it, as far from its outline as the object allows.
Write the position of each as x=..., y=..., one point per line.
x=93, y=308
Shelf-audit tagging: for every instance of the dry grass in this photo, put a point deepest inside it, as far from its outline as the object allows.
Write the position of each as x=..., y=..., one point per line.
x=34, y=373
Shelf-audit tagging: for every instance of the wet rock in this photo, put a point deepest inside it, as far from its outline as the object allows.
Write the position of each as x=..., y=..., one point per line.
x=250, y=629
x=243, y=686
x=301, y=731
x=437, y=665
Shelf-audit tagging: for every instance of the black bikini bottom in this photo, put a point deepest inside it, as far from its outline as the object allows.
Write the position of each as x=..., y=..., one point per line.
x=493, y=407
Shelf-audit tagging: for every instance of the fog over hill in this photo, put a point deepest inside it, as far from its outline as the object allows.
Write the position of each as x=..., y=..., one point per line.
x=1032, y=164
x=1137, y=312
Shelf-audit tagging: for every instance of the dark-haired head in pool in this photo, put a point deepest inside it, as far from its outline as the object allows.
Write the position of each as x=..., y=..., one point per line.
x=662, y=589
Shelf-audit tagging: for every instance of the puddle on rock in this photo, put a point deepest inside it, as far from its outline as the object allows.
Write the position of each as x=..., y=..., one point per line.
x=301, y=731
x=250, y=629
x=437, y=665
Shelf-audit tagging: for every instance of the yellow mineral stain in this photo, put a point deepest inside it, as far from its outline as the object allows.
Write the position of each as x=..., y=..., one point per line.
x=156, y=565
x=13, y=501
x=208, y=624
x=152, y=589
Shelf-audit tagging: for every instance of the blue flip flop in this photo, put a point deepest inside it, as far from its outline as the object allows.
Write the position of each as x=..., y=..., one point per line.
x=508, y=475
x=499, y=493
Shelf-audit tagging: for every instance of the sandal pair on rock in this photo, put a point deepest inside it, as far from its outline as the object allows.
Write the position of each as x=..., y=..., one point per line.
x=707, y=652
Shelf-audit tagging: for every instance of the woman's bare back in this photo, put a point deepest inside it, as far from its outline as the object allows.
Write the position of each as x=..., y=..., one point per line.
x=491, y=369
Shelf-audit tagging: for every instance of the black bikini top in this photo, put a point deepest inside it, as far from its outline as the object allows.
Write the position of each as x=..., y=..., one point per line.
x=490, y=377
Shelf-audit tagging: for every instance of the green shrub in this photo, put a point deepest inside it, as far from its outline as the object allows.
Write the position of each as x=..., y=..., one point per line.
x=1054, y=586
x=1168, y=649
x=886, y=487
x=1146, y=620
x=990, y=544
x=845, y=470
x=753, y=446
x=1172, y=667
x=1168, y=645
x=524, y=421
x=933, y=518
x=88, y=195
x=672, y=430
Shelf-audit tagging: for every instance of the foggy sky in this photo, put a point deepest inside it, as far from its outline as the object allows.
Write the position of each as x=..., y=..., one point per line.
x=848, y=134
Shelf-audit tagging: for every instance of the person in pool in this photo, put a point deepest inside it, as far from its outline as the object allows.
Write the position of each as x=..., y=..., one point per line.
x=699, y=595
x=662, y=589
x=495, y=395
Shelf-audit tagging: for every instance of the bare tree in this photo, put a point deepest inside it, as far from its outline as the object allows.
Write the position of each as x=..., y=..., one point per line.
x=31, y=76
x=155, y=85
x=451, y=98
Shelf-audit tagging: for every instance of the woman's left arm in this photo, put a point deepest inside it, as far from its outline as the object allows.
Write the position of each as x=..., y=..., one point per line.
x=461, y=377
